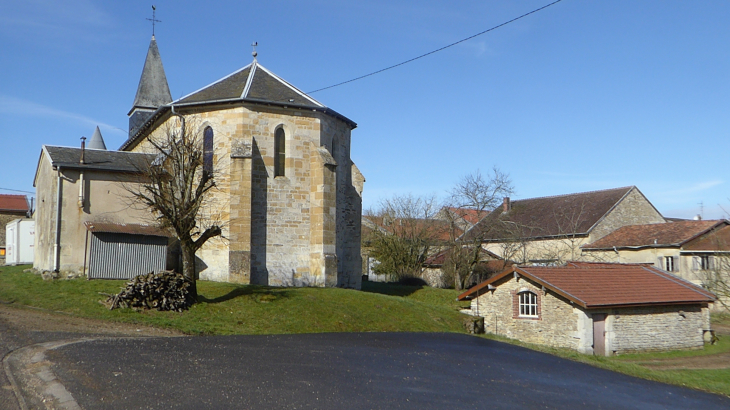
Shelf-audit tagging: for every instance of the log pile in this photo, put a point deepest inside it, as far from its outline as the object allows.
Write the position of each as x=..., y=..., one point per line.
x=162, y=291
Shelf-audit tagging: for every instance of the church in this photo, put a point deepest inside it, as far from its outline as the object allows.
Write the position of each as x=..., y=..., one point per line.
x=287, y=192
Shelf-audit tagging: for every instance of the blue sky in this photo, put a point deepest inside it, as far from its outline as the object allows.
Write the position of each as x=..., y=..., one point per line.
x=584, y=95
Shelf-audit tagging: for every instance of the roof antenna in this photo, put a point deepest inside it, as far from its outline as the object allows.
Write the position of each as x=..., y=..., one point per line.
x=153, y=20
x=254, y=45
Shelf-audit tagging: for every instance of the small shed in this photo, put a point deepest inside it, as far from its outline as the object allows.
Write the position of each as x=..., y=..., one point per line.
x=19, y=239
x=123, y=251
x=595, y=308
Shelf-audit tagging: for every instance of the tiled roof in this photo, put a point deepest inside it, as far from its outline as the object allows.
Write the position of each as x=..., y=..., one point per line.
x=654, y=235
x=572, y=214
x=713, y=241
x=472, y=216
x=13, y=203
x=120, y=161
x=607, y=285
x=132, y=229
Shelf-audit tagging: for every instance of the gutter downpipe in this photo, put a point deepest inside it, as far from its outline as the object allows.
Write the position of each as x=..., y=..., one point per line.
x=57, y=246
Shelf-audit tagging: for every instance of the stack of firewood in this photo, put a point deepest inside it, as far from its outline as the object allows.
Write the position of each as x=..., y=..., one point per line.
x=162, y=291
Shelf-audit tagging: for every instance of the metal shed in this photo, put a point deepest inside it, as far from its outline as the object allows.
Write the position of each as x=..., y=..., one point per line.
x=123, y=251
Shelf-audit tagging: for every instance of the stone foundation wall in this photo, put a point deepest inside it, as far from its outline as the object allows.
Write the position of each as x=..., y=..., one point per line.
x=656, y=328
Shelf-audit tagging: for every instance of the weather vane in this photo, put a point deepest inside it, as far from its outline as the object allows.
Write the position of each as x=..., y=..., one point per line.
x=153, y=20
x=254, y=45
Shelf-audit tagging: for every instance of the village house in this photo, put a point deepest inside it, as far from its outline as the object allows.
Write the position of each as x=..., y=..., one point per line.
x=288, y=195
x=594, y=308
x=11, y=207
x=695, y=250
x=551, y=230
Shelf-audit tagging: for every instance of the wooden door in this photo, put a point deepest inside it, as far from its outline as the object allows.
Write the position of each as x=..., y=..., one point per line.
x=599, y=334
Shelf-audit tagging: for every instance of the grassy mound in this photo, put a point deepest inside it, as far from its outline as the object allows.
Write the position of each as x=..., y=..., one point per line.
x=227, y=309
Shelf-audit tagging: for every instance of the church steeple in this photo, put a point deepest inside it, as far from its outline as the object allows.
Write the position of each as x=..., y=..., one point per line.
x=152, y=91
x=97, y=142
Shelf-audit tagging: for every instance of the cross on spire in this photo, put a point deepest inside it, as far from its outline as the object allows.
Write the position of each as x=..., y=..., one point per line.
x=153, y=20
x=254, y=45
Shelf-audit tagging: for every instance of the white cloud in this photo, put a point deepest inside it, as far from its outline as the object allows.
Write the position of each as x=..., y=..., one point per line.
x=16, y=106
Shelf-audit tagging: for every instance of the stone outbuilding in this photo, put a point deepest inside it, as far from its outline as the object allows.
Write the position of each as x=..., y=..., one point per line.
x=594, y=308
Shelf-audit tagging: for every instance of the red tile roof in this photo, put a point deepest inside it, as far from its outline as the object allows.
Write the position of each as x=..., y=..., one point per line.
x=471, y=216
x=13, y=203
x=666, y=234
x=573, y=214
x=608, y=285
x=714, y=241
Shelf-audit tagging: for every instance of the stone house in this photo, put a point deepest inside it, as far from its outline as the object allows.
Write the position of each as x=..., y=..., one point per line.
x=488, y=265
x=11, y=207
x=695, y=250
x=594, y=308
x=551, y=230
x=287, y=192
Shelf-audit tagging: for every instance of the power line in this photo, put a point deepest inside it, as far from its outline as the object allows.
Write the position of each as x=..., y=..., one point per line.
x=437, y=50
x=16, y=190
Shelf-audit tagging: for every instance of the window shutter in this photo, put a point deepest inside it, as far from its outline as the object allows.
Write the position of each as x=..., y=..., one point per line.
x=695, y=263
x=660, y=262
x=675, y=259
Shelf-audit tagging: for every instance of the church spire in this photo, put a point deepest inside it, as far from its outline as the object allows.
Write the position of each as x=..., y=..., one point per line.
x=97, y=142
x=152, y=91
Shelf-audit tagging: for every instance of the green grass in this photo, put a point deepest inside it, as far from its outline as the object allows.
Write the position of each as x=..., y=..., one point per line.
x=227, y=309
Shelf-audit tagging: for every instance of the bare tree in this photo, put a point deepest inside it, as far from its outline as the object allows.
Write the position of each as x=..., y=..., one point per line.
x=404, y=235
x=477, y=194
x=177, y=191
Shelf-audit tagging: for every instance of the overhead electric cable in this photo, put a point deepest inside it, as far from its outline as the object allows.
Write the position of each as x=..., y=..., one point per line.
x=437, y=50
x=16, y=190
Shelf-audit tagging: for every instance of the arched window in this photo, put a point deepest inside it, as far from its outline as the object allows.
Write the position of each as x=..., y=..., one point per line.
x=528, y=304
x=279, y=152
x=208, y=150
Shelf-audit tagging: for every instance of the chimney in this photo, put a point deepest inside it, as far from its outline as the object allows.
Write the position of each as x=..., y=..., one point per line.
x=83, y=149
x=506, y=205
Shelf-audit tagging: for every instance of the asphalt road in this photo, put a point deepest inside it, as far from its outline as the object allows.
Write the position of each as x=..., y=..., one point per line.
x=345, y=370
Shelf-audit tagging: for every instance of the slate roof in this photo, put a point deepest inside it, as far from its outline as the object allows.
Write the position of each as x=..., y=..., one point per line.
x=572, y=214
x=119, y=161
x=13, y=203
x=673, y=234
x=132, y=229
x=153, y=90
x=607, y=285
x=251, y=84
x=97, y=141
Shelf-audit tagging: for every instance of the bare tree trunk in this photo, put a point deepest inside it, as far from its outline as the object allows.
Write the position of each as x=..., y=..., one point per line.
x=188, y=256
